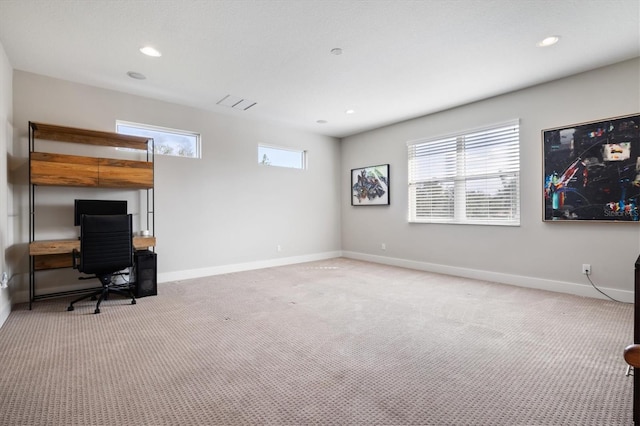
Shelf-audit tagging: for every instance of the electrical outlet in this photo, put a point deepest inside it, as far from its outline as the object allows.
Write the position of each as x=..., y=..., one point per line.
x=383, y=246
x=586, y=269
x=279, y=247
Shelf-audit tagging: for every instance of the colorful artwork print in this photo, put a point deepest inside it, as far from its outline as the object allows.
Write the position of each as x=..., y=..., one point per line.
x=370, y=186
x=592, y=171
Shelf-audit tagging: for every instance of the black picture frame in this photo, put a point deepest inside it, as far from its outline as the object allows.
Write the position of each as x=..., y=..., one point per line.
x=370, y=186
x=592, y=171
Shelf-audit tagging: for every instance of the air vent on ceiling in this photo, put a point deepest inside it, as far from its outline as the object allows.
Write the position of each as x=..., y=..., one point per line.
x=236, y=102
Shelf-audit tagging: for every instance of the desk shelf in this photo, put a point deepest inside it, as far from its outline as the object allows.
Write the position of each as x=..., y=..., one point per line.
x=72, y=170
x=62, y=170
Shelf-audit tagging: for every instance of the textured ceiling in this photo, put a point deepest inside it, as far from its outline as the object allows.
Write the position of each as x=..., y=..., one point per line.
x=401, y=59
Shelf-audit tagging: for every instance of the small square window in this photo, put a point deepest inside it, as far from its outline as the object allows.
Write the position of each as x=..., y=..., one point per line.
x=281, y=157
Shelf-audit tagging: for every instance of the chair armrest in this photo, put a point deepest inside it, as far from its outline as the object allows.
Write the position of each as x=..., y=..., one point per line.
x=632, y=355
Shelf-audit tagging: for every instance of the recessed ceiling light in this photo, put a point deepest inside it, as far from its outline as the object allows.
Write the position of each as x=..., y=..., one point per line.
x=150, y=51
x=350, y=111
x=549, y=41
x=336, y=51
x=136, y=75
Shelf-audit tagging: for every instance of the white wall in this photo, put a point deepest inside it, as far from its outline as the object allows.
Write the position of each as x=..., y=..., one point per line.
x=536, y=254
x=224, y=212
x=6, y=125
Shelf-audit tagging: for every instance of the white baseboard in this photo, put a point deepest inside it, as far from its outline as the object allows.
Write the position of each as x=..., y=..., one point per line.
x=239, y=267
x=5, y=307
x=23, y=296
x=584, y=290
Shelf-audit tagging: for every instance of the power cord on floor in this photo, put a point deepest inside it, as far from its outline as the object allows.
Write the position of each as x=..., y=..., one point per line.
x=602, y=292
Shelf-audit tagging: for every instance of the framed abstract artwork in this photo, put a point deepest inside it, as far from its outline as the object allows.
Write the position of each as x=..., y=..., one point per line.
x=592, y=171
x=370, y=186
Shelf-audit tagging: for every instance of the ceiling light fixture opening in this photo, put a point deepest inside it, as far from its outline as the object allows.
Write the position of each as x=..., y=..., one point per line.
x=322, y=121
x=549, y=41
x=336, y=51
x=350, y=111
x=136, y=75
x=150, y=51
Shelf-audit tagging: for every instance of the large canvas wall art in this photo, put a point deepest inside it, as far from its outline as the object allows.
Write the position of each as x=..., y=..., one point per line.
x=592, y=171
x=370, y=186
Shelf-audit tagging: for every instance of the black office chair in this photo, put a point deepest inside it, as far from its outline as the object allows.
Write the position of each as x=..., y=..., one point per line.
x=106, y=248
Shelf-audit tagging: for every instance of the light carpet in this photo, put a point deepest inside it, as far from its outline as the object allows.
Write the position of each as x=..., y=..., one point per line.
x=335, y=342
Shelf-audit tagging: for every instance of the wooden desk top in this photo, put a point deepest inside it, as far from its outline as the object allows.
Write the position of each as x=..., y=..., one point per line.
x=41, y=248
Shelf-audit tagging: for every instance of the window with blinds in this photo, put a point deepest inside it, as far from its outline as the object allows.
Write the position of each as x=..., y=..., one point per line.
x=467, y=178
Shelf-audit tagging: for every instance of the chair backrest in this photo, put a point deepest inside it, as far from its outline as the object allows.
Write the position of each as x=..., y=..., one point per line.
x=106, y=244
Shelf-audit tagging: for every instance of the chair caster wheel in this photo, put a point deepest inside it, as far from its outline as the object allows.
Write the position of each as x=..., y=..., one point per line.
x=70, y=308
x=97, y=311
x=133, y=302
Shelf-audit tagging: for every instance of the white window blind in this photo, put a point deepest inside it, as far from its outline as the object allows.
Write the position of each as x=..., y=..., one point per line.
x=467, y=178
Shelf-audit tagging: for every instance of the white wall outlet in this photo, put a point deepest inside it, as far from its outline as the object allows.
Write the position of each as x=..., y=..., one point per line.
x=586, y=269
x=279, y=247
x=383, y=246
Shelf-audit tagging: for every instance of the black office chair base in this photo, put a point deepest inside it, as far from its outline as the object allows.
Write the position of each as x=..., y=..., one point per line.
x=107, y=288
x=97, y=311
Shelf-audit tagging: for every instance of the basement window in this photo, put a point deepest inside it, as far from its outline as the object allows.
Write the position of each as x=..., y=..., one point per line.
x=178, y=143
x=467, y=178
x=282, y=157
